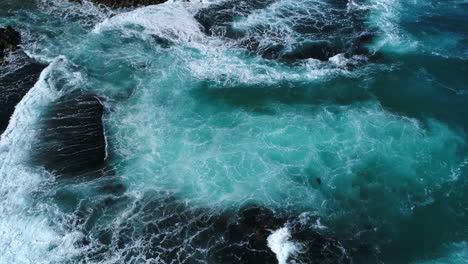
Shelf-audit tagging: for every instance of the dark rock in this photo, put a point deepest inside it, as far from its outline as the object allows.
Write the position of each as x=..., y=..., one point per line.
x=319, y=30
x=17, y=76
x=162, y=42
x=9, y=39
x=72, y=140
x=245, y=240
x=315, y=248
x=161, y=227
x=16, y=79
x=319, y=35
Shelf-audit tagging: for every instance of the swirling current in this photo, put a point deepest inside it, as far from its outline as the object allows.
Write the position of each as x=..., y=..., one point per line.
x=235, y=131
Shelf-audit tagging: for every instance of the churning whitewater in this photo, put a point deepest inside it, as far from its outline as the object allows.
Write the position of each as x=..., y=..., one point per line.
x=234, y=131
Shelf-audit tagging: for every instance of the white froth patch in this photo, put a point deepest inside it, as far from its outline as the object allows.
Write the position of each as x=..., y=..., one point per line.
x=172, y=21
x=340, y=60
x=280, y=244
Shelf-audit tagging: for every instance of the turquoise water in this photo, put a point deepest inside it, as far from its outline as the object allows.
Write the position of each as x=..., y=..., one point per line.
x=350, y=115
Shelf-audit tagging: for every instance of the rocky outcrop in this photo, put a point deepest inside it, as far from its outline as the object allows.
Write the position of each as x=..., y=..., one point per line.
x=245, y=240
x=334, y=29
x=9, y=40
x=162, y=228
x=124, y=3
x=72, y=141
x=16, y=79
x=17, y=75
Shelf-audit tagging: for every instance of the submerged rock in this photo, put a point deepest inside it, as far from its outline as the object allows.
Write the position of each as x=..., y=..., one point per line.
x=72, y=140
x=245, y=240
x=124, y=3
x=313, y=247
x=162, y=42
x=162, y=228
x=289, y=31
x=217, y=18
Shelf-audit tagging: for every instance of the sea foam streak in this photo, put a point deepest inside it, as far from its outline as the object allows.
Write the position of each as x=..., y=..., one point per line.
x=26, y=234
x=154, y=21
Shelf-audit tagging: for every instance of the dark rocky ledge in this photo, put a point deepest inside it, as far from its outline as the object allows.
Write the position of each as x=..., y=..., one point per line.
x=163, y=228
x=18, y=74
x=71, y=141
x=245, y=240
x=124, y=3
x=9, y=40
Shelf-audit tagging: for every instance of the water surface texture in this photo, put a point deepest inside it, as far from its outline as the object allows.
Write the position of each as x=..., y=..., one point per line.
x=230, y=131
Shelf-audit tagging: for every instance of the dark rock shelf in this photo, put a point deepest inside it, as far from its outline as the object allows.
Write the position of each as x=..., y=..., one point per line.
x=72, y=140
x=9, y=40
x=18, y=73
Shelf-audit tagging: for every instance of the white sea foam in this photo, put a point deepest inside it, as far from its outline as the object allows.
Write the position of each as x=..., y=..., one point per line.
x=172, y=21
x=86, y=12
x=25, y=231
x=385, y=15
x=279, y=242
x=403, y=28
x=341, y=61
x=218, y=59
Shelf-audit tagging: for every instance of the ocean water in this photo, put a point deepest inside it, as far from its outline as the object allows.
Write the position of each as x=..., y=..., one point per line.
x=261, y=131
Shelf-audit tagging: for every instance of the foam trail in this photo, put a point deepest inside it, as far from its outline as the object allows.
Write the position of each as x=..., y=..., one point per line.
x=386, y=16
x=279, y=243
x=26, y=234
x=408, y=27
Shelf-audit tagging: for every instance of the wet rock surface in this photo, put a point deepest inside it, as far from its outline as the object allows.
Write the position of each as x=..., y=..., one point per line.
x=217, y=18
x=245, y=240
x=16, y=79
x=72, y=140
x=9, y=40
x=161, y=228
x=18, y=73
x=320, y=31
